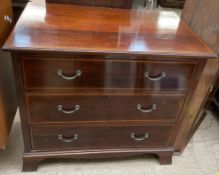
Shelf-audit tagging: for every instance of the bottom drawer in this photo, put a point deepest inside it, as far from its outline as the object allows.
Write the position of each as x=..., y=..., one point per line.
x=68, y=137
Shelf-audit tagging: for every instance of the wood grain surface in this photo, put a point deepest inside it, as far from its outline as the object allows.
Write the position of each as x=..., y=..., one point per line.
x=94, y=30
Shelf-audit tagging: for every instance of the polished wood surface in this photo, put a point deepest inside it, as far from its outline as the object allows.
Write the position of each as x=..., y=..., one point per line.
x=124, y=108
x=105, y=73
x=98, y=30
x=81, y=81
x=106, y=3
x=8, y=103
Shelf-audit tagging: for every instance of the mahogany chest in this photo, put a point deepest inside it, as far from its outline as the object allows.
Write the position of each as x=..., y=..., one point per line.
x=96, y=82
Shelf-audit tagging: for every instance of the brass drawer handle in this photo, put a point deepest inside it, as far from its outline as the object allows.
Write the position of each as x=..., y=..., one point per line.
x=157, y=78
x=61, y=108
x=68, y=139
x=151, y=109
x=139, y=138
x=60, y=73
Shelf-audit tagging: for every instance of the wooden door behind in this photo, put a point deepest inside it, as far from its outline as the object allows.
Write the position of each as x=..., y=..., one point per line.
x=203, y=17
x=8, y=103
x=6, y=19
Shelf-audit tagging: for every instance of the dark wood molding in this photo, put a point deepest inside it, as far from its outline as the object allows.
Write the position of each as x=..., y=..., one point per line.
x=172, y=3
x=32, y=161
x=126, y=4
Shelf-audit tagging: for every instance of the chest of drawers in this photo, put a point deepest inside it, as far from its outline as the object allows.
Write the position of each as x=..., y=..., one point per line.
x=107, y=83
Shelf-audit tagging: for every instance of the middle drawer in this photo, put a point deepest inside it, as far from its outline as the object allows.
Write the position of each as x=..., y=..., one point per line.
x=73, y=108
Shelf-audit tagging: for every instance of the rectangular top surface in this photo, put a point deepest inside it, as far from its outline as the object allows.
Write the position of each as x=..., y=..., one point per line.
x=68, y=28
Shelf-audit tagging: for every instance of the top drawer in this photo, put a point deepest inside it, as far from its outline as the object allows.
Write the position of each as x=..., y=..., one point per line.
x=96, y=73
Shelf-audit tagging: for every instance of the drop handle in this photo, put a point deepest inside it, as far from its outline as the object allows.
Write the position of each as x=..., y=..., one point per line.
x=139, y=137
x=155, y=78
x=60, y=73
x=61, y=109
x=68, y=139
x=147, y=110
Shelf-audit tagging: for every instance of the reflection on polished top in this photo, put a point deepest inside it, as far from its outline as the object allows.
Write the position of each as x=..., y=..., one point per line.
x=92, y=29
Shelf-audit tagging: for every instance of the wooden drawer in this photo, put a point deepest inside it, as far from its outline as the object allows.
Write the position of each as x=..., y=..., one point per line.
x=72, y=108
x=92, y=73
x=68, y=137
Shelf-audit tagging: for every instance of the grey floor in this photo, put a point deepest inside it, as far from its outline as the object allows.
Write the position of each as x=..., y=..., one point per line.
x=201, y=157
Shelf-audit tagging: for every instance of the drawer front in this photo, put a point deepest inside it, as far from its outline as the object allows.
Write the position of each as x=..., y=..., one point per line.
x=66, y=108
x=85, y=73
x=65, y=137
